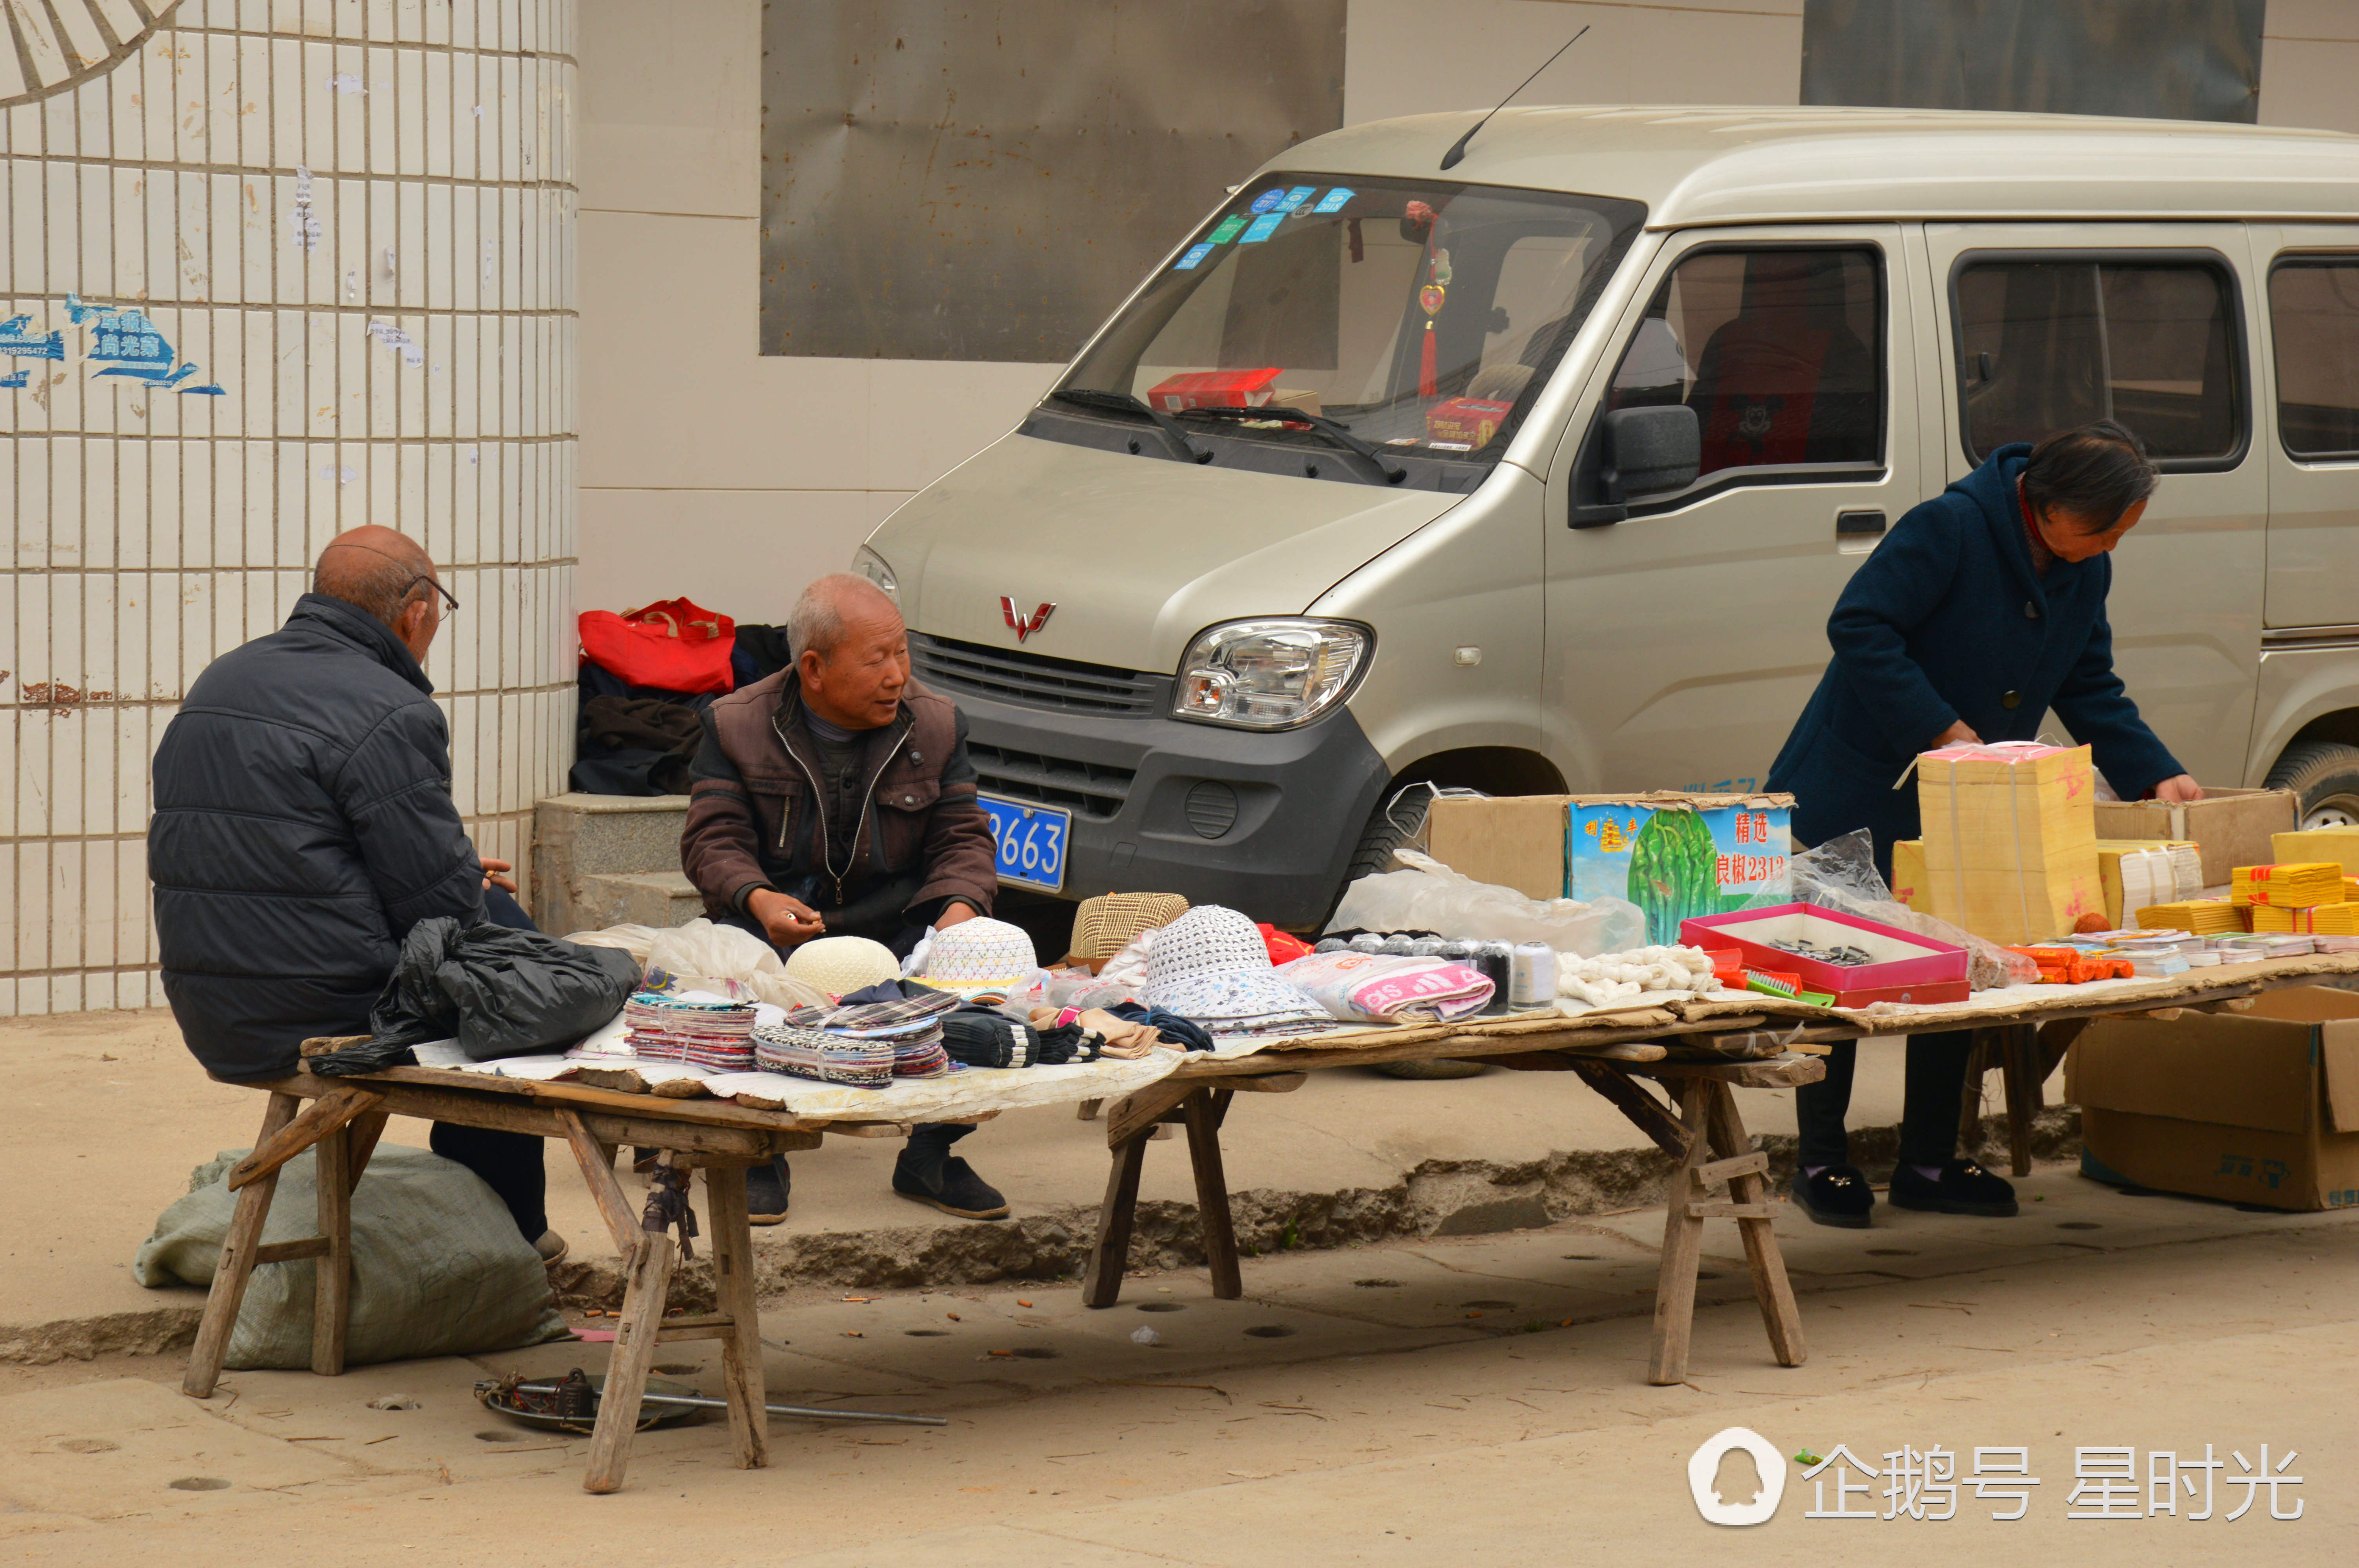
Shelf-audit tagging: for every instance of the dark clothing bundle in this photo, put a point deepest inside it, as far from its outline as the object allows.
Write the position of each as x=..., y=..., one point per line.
x=1184, y=1032
x=303, y=824
x=1948, y=620
x=634, y=745
x=982, y=1037
x=761, y=814
x=498, y=992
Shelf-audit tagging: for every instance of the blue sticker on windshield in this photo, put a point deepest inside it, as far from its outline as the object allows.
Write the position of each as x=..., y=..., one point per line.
x=1334, y=201
x=1297, y=197
x=1227, y=230
x=1262, y=228
x=1195, y=254
x=1265, y=201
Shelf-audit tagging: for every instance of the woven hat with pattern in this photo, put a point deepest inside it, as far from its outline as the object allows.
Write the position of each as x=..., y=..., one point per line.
x=978, y=955
x=842, y=965
x=1207, y=940
x=1103, y=926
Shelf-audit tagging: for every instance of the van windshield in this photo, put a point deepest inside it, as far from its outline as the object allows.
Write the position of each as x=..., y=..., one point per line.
x=1417, y=318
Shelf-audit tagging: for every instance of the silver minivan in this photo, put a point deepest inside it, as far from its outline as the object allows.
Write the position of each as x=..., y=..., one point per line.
x=1542, y=474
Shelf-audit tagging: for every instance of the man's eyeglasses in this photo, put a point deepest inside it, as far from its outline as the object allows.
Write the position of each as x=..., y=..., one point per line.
x=429, y=582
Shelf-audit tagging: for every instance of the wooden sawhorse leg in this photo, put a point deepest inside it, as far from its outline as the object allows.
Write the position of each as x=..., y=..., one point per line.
x=1130, y=1124
x=1718, y=1151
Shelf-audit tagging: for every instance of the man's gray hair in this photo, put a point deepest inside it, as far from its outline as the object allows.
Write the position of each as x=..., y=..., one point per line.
x=817, y=618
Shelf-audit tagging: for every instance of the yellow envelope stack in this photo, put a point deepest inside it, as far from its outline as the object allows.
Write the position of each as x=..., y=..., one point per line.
x=2010, y=839
x=2203, y=916
x=2325, y=919
x=2136, y=872
x=2300, y=885
x=2339, y=845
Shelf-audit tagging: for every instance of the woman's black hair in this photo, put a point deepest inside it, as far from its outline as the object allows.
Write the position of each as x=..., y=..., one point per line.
x=2098, y=470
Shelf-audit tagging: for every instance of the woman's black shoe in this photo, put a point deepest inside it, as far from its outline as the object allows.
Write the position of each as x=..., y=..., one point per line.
x=1838, y=1195
x=766, y=1187
x=1964, y=1188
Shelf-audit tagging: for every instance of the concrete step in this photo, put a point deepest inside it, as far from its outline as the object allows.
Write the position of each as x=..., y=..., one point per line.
x=648, y=898
x=579, y=838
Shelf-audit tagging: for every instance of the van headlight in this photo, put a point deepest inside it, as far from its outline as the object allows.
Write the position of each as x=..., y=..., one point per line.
x=1270, y=674
x=867, y=563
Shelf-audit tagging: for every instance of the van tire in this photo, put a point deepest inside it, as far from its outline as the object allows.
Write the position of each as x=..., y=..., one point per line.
x=2325, y=776
x=1392, y=823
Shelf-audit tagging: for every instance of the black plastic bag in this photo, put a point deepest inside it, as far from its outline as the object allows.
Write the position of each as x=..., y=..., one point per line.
x=499, y=993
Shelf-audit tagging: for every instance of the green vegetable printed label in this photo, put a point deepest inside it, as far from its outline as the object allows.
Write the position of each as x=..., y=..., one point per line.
x=1677, y=862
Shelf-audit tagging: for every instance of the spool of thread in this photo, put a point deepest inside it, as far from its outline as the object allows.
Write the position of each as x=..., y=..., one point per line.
x=1368, y=941
x=1425, y=947
x=1458, y=952
x=1532, y=982
x=1330, y=944
x=1396, y=946
x=1496, y=960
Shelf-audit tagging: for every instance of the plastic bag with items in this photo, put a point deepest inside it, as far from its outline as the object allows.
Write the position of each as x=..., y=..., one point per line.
x=1429, y=896
x=703, y=955
x=1841, y=874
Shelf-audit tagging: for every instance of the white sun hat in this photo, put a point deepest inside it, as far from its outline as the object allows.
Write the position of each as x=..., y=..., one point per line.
x=842, y=965
x=978, y=956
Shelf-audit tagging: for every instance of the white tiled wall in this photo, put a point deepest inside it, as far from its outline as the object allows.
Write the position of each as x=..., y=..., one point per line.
x=150, y=530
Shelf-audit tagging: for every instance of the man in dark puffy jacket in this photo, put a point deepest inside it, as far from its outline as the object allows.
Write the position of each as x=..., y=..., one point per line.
x=303, y=824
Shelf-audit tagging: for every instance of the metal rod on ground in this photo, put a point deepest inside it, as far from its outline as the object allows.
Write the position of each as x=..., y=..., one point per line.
x=809, y=1412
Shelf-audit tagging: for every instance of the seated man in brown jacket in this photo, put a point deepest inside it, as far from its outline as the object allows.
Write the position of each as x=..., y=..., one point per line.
x=836, y=798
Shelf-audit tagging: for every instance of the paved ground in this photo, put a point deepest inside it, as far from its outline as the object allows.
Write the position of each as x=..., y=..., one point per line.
x=114, y=1103
x=1354, y=1409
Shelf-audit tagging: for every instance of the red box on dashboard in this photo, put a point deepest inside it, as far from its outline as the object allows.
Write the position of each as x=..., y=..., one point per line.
x=1473, y=420
x=1214, y=389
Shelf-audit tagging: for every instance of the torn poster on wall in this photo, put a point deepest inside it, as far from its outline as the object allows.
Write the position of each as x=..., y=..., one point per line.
x=399, y=341
x=129, y=345
x=17, y=338
x=303, y=221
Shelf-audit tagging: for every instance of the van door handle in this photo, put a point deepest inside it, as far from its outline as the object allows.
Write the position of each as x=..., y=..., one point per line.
x=1854, y=524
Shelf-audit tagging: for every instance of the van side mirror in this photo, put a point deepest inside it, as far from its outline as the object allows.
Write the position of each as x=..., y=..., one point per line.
x=1649, y=450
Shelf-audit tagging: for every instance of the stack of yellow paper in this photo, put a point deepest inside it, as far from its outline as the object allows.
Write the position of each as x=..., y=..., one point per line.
x=2300, y=885
x=2010, y=839
x=2203, y=916
x=2339, y=845
x=2320, y=920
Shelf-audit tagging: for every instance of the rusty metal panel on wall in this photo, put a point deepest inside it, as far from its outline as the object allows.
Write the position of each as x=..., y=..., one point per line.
x=2174, y=59
x=987, y=182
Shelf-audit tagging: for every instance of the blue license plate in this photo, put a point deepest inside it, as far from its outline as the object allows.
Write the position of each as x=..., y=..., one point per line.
x=1030, y=840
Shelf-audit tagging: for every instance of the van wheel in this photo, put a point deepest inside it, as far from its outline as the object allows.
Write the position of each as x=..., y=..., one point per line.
x=2325, y=776
x=1392, y=824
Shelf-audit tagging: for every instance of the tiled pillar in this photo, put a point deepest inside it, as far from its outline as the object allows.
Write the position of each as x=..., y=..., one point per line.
x=392, y=339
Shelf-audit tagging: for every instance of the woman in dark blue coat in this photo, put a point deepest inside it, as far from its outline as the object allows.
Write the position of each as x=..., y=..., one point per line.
x=1982, y=609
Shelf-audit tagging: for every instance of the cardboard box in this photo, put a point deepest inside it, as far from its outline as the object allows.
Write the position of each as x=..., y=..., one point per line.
x=1513, y=841
x=1904, y=967
x=1214, y=389
x=2259, y=1106
x=1678, y=856
x=1468, y=422
x=2339, y=845
x=2010, y=839
x=2233, y=825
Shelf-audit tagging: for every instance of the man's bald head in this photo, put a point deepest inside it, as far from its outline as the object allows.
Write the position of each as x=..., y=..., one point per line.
x=833, y=605
x=375, y=569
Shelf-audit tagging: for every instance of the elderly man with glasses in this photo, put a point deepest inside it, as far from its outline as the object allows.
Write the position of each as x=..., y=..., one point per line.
x=303, y=824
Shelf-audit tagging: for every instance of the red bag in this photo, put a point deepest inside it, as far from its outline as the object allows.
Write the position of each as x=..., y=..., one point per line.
x=1283, y=949
x=674, y=645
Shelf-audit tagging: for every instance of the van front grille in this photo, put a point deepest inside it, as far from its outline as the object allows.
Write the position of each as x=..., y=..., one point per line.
x=1085, y=789
x=1033, y=680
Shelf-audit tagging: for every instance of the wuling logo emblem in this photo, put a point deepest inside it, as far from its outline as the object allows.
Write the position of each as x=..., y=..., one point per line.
x=1021, y=624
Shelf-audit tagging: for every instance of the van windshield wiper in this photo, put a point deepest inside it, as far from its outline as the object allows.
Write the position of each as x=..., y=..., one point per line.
x=1339, y=435
x=1123, y=402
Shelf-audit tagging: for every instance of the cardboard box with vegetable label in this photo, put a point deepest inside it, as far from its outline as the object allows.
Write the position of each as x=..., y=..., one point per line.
x=1678, y=856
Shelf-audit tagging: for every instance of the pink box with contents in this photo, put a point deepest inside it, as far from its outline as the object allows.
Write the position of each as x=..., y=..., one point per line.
x=1902, y=966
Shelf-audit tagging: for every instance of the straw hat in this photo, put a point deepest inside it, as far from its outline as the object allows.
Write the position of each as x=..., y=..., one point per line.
x=978, y=955
x=1103, y=926
x=842, y=965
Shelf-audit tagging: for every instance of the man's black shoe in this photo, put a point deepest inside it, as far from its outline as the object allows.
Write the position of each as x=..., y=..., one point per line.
x=952, y=1187
x=1964, y=1188
x=1838, y=1195
x=766, y=1187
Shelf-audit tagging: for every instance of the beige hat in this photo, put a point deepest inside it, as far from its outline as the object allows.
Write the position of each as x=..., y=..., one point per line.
x=1105, y=926
x=842, y=965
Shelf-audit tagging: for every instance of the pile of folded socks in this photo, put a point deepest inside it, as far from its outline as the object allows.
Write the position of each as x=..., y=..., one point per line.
x=847, y=1059
x=702, y=1033
x=901, y=1015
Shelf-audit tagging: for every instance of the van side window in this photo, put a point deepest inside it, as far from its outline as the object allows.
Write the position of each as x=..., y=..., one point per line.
x=2045, y=345
x=2314, y=322
x=1780, y=351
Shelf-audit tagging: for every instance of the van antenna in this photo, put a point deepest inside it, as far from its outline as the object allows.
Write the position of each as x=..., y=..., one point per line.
x=1451, y=158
